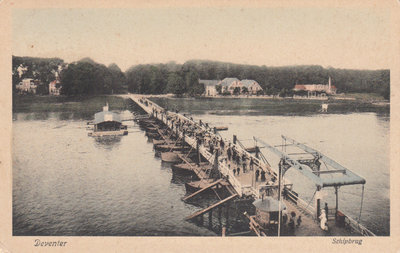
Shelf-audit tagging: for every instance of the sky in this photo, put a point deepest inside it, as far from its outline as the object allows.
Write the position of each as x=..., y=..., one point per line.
x=356, y=38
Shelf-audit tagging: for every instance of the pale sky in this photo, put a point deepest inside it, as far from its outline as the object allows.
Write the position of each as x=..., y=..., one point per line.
x=338, y=37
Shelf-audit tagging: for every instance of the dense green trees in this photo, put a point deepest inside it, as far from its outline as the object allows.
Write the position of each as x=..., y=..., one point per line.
x=176, y=84
x=164, y=78
x=89, y=77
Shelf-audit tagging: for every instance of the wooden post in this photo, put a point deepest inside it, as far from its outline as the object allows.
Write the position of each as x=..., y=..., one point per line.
x=279, y=197
x=257, y=152
x=210, y=218
x=337, y=201
x=219, y=216
x=198, y=151
x=227, y=214
x=318, y=203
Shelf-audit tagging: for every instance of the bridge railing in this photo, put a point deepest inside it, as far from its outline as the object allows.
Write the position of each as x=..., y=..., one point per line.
x=231, y=178
x=357, y=226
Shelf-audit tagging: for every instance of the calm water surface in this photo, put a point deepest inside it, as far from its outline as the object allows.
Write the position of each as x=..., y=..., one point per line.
x=66, y=183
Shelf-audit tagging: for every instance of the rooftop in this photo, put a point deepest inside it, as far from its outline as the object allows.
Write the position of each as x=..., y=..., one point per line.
x=106, y=116
x=227, y=81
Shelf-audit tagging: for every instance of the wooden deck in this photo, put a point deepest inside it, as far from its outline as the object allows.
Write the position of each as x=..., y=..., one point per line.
x=243, y=184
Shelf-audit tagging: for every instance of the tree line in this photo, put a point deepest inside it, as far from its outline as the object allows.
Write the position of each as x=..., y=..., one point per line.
x=88, y=77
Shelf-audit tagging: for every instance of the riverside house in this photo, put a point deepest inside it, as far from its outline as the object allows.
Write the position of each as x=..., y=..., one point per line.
x=252, y=86
x=313, y=89
x=53, y=90
x=28, y=85
x=209, y=87
x=229, y=84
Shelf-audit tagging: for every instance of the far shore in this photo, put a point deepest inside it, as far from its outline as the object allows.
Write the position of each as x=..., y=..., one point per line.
x=365, y=98
x=257, y=105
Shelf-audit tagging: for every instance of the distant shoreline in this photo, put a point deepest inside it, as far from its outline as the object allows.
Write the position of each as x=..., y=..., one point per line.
x=243, y=104
x=365, y=99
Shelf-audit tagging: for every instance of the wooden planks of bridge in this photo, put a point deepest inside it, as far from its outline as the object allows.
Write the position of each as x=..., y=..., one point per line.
x=205, y=210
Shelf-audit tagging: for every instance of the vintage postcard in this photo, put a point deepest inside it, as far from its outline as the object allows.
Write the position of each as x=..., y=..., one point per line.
x=179, y=126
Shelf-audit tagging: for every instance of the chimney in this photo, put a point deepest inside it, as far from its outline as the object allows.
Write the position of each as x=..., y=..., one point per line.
x=329, y=84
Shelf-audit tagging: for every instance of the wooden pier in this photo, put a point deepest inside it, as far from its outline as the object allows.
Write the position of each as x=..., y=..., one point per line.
x=242, y=185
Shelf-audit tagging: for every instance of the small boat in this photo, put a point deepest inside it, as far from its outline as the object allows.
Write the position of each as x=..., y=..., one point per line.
x=162, y=142
x=153, y=135
x=170, y=157
x=198, y=185
x=107, y=123
x=221, y=128
x=185, y=168
x=170, y=147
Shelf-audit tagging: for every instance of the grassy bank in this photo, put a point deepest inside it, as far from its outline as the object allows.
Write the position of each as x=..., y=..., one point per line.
x=88, y=104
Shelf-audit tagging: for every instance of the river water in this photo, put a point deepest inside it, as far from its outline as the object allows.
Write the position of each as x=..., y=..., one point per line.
x=66, y=183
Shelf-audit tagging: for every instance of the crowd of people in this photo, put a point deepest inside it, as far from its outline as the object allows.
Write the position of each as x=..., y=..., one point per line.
x=238, y=161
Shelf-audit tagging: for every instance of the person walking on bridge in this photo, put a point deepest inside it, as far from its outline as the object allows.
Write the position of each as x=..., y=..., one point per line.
x=251, y=164
x=244, y=164
x=257, y=174
x=263, y=175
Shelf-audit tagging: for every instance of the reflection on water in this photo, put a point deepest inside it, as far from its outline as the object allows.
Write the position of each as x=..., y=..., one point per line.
x=108, y=142
x=67, y=183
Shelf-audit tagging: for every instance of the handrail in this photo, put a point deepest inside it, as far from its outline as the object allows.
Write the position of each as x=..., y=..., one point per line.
x=357, y=226
x=231, y=178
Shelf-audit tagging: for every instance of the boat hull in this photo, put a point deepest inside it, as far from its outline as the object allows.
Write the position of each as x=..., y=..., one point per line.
x=108, y=133
x=170, y=157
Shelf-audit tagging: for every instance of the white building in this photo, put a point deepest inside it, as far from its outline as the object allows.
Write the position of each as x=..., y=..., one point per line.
x=209, y=86
x=28, y=85
x=252, y=86
x=53, y=90
x=312, y=89
x=229, y=84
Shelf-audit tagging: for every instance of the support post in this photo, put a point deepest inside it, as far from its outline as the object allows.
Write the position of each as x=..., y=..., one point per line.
x=227, y=214
x=210, y=218
x=219, y=216
x=337, y=201
x=198, y=151
x=318, y=202
x=257, y=152
x=279, y=198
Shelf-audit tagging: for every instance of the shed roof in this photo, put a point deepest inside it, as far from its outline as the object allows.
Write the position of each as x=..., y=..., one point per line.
x=247, y=83
x=106, y=116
